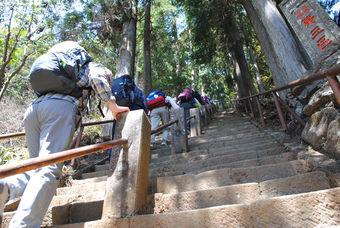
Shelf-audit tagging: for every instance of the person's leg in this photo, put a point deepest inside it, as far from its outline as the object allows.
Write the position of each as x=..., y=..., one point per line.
x=57, y=126
x=155, y=120
x=186, y=107
x=13, y=186
x=165, y=119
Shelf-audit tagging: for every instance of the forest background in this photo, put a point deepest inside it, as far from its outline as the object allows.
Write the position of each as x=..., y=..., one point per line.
x=184, y=50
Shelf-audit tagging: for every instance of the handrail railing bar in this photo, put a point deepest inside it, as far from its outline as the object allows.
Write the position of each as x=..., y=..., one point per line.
x=20, y=134
x=191, y=117
x=301, y=81
x=33, y=163
x=96, y=123
x=158, y=129
x=12, y=135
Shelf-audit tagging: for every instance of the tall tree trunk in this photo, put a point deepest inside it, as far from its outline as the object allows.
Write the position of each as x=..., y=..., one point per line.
x=147, y=57
x=138, y=79
x=278, y=44
x=192, y=63
x=127, y=51
x=235, y=46
x=249, y=45
x=177, y=60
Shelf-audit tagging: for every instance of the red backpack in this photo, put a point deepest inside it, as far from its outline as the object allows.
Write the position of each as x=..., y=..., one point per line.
x=155, y=99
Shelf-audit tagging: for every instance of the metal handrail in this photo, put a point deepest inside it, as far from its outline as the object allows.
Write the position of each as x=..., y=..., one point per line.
x=332, y=72
x=158, y=129
x=12, y=135
x=33, y=163
x=163, y=126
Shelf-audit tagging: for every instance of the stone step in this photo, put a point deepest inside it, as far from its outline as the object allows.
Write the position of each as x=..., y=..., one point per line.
x=235, y=154
x=164, y=152
x=313, y=209
x=94, y=174
x=232, y=136
x=241, y=193
x=230, y=176
x=101, y=167
x=219, y=162
x=80, y=189
x=228, y=149
x=77, y=212
x=222, y=143
x=244, y=130
x=265, y=160
x=88, y=181
x=227, y=161
x=77, y=198
x=81, y=211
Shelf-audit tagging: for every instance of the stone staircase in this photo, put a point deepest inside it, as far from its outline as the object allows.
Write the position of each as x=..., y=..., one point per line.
x=235, y=175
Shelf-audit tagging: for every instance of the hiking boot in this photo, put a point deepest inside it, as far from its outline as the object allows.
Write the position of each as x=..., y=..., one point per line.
x=4, y=197
x=165, y=142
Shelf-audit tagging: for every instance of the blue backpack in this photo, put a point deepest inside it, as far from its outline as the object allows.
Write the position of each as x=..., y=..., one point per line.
x=127, y=93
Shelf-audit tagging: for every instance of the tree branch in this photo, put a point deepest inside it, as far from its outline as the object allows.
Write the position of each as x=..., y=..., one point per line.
x=3, y=89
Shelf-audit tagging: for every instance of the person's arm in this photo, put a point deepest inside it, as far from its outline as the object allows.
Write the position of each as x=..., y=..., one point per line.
x=172, y=102
x=116, y=109
x=99, y=82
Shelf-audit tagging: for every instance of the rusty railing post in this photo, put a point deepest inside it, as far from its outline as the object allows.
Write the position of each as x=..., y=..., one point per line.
x=260, y=111
x=251, y=108
x=245, y=107
x=279, y=111
x=335, y=85
x=292, y=112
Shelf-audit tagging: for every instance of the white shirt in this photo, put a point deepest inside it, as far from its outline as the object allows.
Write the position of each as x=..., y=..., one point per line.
x=171, y=101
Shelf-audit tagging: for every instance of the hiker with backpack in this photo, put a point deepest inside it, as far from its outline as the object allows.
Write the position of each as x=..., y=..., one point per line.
x=158, y=105
x=127, y=94
x=198, y=97
x=186, y=101
x=63, y=79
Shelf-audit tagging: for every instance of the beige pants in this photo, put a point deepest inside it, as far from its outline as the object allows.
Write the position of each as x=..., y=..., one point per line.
x=156, y=116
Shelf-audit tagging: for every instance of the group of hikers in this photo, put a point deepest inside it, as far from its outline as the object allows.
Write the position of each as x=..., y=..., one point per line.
x=159, y=105
x=65, y=80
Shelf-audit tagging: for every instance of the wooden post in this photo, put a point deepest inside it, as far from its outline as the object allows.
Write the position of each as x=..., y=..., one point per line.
x=204, y=115
x=179, y=138
x=127, y=183
x=195, y=123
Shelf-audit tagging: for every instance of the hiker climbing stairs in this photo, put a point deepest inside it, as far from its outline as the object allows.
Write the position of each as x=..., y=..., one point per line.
x=235, y=175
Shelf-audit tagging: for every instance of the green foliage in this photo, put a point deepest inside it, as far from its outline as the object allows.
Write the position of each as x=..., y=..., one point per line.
x=13, y=154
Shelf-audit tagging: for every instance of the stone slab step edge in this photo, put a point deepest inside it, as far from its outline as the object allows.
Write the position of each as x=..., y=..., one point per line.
x=227, y=150
x=218, y=163
x=241, y=193
x=199, y=152
x=199, y=165
x=313, y=209
x=230, y=176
